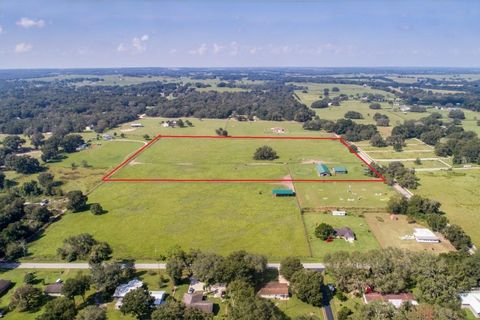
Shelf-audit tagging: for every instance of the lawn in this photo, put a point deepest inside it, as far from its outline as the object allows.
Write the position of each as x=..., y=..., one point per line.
x=145, y=220
x=458, y=192
x=220, y=158
x=365, y=240
x=389, y=231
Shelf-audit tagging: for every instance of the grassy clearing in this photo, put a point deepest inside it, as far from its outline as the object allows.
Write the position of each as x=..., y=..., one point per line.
x=358, y=194
x=459, y=195
x=233, y=159
x=144, y=220
x=365, y=240
x=388, y=233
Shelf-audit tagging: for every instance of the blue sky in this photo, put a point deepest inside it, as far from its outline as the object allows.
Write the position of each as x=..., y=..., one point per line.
x=229, y=33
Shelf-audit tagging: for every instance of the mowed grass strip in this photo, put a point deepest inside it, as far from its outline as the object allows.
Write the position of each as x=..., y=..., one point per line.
x=211, y=158
x=145, y=220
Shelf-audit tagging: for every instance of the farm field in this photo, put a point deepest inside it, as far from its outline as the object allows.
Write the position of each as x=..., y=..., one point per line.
x=388, y=233
x=365, y=240
x=458, y=193
x=228, y=158
x=142, y=217
x=145, y=220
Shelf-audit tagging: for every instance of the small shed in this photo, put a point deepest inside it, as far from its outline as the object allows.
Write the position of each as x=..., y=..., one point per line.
x=425, y=235
x=340, y=213
x=4, y=286
x=323, y=170
x=283, y=192
x=340, y=170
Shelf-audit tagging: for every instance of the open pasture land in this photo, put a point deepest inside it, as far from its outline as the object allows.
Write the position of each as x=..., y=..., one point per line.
x=144, y=220
x=365, y=240
x=388, y=232
x=344, y=195
x=199, y=158
x=459, y=194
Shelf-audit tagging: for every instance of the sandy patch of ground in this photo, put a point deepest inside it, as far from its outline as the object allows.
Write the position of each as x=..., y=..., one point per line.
x=128, y=130
x=287, y=184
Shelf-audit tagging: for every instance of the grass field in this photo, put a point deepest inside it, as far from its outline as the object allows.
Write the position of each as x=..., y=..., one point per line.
x=458, y=192
x=144, y=220
x=214, y=158
x=388, y=233
x=365, y=240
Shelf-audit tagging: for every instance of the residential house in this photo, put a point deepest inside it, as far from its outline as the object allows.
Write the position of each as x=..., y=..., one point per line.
x=195, y=300
x=274, y=290
x=471, y=300
x=159, y=297
x=54, y=289
x=345, y=233
x=395, y=299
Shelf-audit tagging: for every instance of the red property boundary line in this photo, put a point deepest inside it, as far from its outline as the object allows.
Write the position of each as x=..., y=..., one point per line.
x=108, y=176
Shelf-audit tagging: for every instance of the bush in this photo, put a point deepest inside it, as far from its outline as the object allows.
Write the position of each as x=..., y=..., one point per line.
x=375, y=106
x=265, y=153
x=353, y=115
x=96, y=208
x=323, y=231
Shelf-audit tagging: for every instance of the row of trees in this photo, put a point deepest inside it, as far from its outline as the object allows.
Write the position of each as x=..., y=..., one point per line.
x=350, y=130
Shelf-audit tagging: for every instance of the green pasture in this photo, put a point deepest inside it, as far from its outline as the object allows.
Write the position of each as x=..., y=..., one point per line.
x=458, y=192
x=145, y=220
x=343, y=194
x=233, y=159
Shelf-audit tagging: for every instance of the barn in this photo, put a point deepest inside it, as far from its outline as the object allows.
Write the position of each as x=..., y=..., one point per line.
x=323, y=170
x=283, y=193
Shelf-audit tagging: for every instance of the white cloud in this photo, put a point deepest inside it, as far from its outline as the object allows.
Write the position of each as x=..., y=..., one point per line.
x=137, y=45
x=234, y=47
x=1, y=29
x=30, y=23
x=253, y=50
x=23, y=47
x=200, y=51
x=217, y=48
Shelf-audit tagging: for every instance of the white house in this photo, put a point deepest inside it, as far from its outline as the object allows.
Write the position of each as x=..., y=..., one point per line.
x=339, y=213
x=275, y=290
x=471, y=300
x=425, y=235
x=125, y=288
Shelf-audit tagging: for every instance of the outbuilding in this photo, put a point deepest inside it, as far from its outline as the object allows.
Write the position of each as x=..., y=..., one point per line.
x=283, y=192
x=340, y=213
x=340, y=170
x=397, y=300
x=425, y=235
x=4, y=286
x=323, y=170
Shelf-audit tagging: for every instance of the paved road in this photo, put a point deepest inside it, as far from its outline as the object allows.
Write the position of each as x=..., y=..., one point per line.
x=40, y=265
